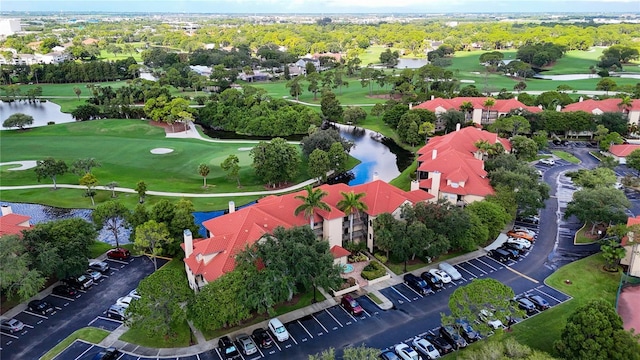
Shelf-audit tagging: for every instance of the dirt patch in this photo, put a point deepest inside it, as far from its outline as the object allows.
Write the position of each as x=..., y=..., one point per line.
x=168, y=129
x=386, y=96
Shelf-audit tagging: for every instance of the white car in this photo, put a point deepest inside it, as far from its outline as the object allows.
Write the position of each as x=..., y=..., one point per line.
x=547, y=161
x=524, y=242
x=488, y=317
x=125, y=301
x=406, y=353
x=527, y=230
x=278, y=330
x=449, y=269
x=425, y=348
x=134, y=294
x=441, y=275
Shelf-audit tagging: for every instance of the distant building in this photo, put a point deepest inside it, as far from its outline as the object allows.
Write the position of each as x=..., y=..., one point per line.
x=632, y=245
x=9, y=27
x=201, y=70
x=620, y=152
x=612, y=105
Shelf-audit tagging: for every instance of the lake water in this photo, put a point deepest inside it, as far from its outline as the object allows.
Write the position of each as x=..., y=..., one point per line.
x=411, y=63
x=42, y=112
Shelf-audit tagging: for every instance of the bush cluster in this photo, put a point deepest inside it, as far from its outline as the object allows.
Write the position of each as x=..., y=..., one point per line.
x=373, y=271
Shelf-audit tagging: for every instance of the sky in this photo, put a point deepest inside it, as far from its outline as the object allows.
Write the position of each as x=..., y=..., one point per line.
x=323, y=6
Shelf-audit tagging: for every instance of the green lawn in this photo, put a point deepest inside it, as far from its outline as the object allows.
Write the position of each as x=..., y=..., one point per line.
x=67, y=89
x=123, y=148
x=581, y=236
x=566, y=156
x=403, y=181
x=89, y=334
x=140, y=337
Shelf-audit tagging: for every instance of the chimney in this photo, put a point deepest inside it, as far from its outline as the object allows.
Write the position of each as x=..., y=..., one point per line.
x=540, y=107
x=232, y=207
x=188, y=242
x=581, y=99
x=435, y=184
x=6, y=210
x=410, y=106
x=516, y=97
x=415, y=185
x=432, y=97
x=434, y=154
x=558, y=107
x=376, y=177
x=458, y=127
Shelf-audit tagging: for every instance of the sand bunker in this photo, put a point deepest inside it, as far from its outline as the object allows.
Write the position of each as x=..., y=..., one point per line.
x=160, y=151
x=24, y=165
x=245, y=149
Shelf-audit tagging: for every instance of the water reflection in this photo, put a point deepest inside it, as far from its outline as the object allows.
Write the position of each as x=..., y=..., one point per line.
x=42, y=112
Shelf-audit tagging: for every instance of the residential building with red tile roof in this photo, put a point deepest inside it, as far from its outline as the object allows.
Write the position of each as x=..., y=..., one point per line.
x=208, y=259
x=480, y=114
x=621, y=151
x=13, y=224
x=451, y=167
x=632, y=245
x=598, y=107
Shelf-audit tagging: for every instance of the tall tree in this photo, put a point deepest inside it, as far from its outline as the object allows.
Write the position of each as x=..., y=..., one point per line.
x=310, y=203
x=598, y=205
x=90, y=182
x=232, y=166
x=275, y=162
x=488, y=104
x=203, y=170
x=112, y=216
x=77, y=91
x=330, y=106
x=84, y=166
x=50, y=168
x=141, y=189
x=295, y=89
x=319, y=165
x=17, y=276
x=337, y=157
x=18, y=120
x=352, y=205
x=633, y=160
x=152, y=237
x=612, y=252
x=594, y=331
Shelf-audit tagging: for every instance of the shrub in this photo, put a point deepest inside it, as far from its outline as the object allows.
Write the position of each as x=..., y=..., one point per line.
x=373, y=271
x=383, y=259
x=51, y=122
x=358, y=257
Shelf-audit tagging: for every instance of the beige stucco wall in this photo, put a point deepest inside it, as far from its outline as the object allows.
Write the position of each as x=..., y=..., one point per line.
x=332, y=231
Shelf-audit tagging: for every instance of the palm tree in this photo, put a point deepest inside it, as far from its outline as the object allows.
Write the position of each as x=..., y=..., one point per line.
x=484, y=147
x=488, y=104
x=466, y=107
x=625, y=104
x=311, y=202
x=351, y=204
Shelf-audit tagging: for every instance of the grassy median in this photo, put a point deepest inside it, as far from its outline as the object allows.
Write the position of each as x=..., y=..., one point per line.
x=89, y=334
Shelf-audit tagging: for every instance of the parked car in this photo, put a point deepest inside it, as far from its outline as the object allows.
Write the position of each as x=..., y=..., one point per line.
x=451, y=335
x=520, y=234
x=489, y=318
x=81, y=282
x=101, y=266
x=95, y=275
x=466, y=330
x=449, y=269
x=527, y=230
x=262, y=338
x=278, y=330
x=64, y=290
x=40, y=307
x=417, y=284
x=118, y=253
x=539, y=302
x=388, y=355
x=526, y=305
x=247, y=345
x=440, y=343
x=11, y=325
x=425, y=348
x=107, y=354
x=499, y=255
x=524, y=242
x=351, y=305
x=124, y=301
x=531, y=219
x=512, y=253
x=134, y=294
x=434, y=282
x=117, y=312
x=441, y=275
x=227, y=349
x=547, y=161
x=514, y=246
x=405, y=352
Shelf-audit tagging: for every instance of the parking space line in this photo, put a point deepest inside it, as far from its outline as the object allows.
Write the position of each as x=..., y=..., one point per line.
x=217, y=352
x=410, y=288
x=494, y=269
x=9, y=335
x=62, y=297
x=292, y=338
x=333, y=317
x=540, y=291
x=305, y=329
x=521, y=274
x=84, y=352
x=467, y=271
x=29, y=326
x=348, y=313
x=495, y=261
x=34, y=314
x=273, y=341
x=118, y=261
x=484, y=272
x=399, y=293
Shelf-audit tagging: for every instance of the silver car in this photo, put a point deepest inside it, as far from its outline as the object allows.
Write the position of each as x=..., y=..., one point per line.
x=11, y=325
x=247, y=345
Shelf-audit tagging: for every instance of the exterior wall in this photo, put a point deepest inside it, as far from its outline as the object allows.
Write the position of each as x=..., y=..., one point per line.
x=370, y=233
x=472, y=198
x=634, y=117
x=332, y=231
x=634, y=266
x=191, y=278
x=452, y=198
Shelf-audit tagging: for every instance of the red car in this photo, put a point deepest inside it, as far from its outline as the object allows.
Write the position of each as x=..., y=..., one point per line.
x=118, y=253
x=351, y=305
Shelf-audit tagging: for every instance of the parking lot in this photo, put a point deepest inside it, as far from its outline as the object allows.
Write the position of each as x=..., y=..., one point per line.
x=87, y=308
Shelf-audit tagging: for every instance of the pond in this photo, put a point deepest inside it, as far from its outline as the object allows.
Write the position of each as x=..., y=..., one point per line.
x=405, y=63
x=42, y=112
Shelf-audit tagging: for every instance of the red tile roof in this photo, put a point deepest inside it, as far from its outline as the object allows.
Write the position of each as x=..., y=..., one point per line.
x=11, y=224
x=623, y=150
x=606, y=105
x=501, y=105
x=230, y=233
x=455, y=160
x=630, y=222
x=338, y=251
